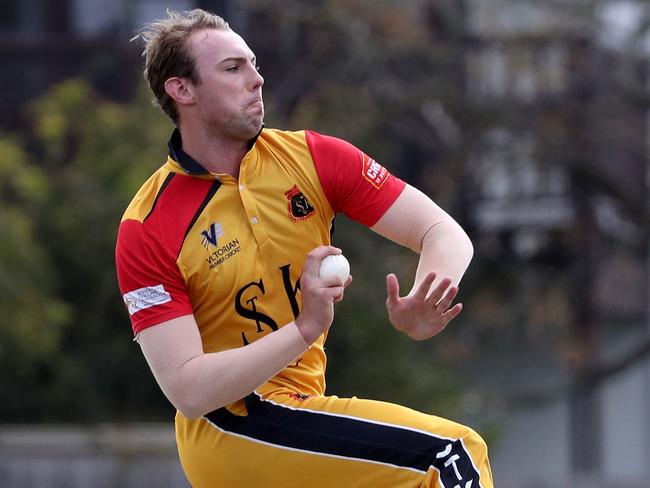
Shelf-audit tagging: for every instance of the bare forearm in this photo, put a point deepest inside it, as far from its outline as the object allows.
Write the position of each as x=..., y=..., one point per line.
x=196, y=382
x=419, y=224
x=447, y=250
x=216, y=379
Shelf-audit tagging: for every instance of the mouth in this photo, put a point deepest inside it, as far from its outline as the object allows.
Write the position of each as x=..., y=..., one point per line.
x=255, y=103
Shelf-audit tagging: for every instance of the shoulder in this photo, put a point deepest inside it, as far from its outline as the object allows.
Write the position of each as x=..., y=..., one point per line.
x=164, y=208
x=308, y=142
x=166, y=192
x=143, y=200
x=283, y=139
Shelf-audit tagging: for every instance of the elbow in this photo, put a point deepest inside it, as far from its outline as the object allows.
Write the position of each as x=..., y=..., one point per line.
x=191, y=408
x=189, y=401
x=468, y=248
x=191, y=391
x=463, y=252
x=189, y=411
x=456, y=241
x=461, y=243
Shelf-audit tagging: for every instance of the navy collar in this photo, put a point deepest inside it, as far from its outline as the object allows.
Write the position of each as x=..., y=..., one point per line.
x=187, y=162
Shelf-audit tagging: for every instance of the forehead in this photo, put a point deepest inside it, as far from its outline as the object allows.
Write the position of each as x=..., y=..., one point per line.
x=214, y=46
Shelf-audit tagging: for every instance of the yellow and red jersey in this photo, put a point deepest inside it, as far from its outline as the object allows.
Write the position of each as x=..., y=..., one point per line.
x=231, y=251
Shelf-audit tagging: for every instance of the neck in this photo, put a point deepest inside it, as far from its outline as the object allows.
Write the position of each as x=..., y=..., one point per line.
x=216, y=154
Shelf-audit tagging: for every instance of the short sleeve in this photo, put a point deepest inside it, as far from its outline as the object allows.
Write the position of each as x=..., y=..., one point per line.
x=150, y=282
x=354, y=183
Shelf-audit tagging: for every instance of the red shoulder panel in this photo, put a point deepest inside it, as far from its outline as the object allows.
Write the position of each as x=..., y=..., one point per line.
x=151, y=284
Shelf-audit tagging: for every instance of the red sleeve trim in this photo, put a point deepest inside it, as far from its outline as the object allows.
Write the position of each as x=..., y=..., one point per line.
x=150, y=282
x=353, y=182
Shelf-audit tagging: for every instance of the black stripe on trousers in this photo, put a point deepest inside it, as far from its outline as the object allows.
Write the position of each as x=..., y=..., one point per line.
x=350, y=437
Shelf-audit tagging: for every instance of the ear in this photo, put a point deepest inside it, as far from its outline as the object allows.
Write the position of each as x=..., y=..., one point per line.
x=179, y=90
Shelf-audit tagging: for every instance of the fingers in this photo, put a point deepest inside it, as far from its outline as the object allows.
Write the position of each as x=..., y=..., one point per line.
x=436, y=294
x=443, y=304
x=438, y=297
x=441, y=298
x=331, y=280
x=452, y=313
x=425, y=285
x=338, y=298
x=347, y=282
x=314, y=258
x=392, y=290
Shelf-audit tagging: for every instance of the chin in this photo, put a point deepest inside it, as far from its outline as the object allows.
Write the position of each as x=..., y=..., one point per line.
x=256, y=127
x=248, y=133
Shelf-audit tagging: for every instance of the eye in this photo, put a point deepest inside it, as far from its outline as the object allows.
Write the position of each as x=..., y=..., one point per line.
x=233, y=68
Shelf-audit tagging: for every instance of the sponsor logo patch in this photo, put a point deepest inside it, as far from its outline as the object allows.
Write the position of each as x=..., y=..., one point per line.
x=221, y=254
x=298, y=207
x=374, y=172
x=146, y=297
x=210, y=236
x=219, y=251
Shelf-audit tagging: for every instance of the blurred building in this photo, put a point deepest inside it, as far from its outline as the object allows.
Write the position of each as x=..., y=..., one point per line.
x=577, y=212
x=43, y=42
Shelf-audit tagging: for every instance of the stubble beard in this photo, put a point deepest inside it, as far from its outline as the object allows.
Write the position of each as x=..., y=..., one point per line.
x=246, y=126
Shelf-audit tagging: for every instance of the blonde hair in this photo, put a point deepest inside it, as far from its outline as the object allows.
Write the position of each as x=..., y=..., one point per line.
x=166, y=54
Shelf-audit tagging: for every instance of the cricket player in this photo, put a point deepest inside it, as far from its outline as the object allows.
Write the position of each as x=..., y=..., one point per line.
x=218, y=256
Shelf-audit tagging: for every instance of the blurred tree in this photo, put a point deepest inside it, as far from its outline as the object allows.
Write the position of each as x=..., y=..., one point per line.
x=74, y=342
x=33, y=317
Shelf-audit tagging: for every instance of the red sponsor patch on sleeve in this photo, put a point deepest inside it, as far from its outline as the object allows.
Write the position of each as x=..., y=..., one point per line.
x=374, y=172
x=345, y=172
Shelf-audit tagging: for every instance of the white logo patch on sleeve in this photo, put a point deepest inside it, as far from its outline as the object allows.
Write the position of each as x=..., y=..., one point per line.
x=146, y=297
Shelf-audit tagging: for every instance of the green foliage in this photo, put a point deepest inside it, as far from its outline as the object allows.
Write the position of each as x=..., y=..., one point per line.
x=65, y=333
x=33, y=317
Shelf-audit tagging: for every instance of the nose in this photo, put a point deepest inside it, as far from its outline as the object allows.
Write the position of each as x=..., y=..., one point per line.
x=258, y=80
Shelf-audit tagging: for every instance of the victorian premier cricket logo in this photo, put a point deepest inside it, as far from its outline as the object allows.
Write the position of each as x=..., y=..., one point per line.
x=210, y=240
x=210, y=236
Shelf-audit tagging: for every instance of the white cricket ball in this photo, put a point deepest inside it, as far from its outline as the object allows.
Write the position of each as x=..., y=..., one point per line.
x=335, y=264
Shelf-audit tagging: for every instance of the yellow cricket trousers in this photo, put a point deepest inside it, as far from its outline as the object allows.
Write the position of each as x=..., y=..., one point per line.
x=287, y=440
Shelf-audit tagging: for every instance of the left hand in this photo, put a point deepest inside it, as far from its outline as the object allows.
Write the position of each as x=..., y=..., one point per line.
x=421, y=314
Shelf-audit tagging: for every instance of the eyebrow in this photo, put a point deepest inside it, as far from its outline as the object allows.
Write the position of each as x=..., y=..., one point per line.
x=239, y=59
